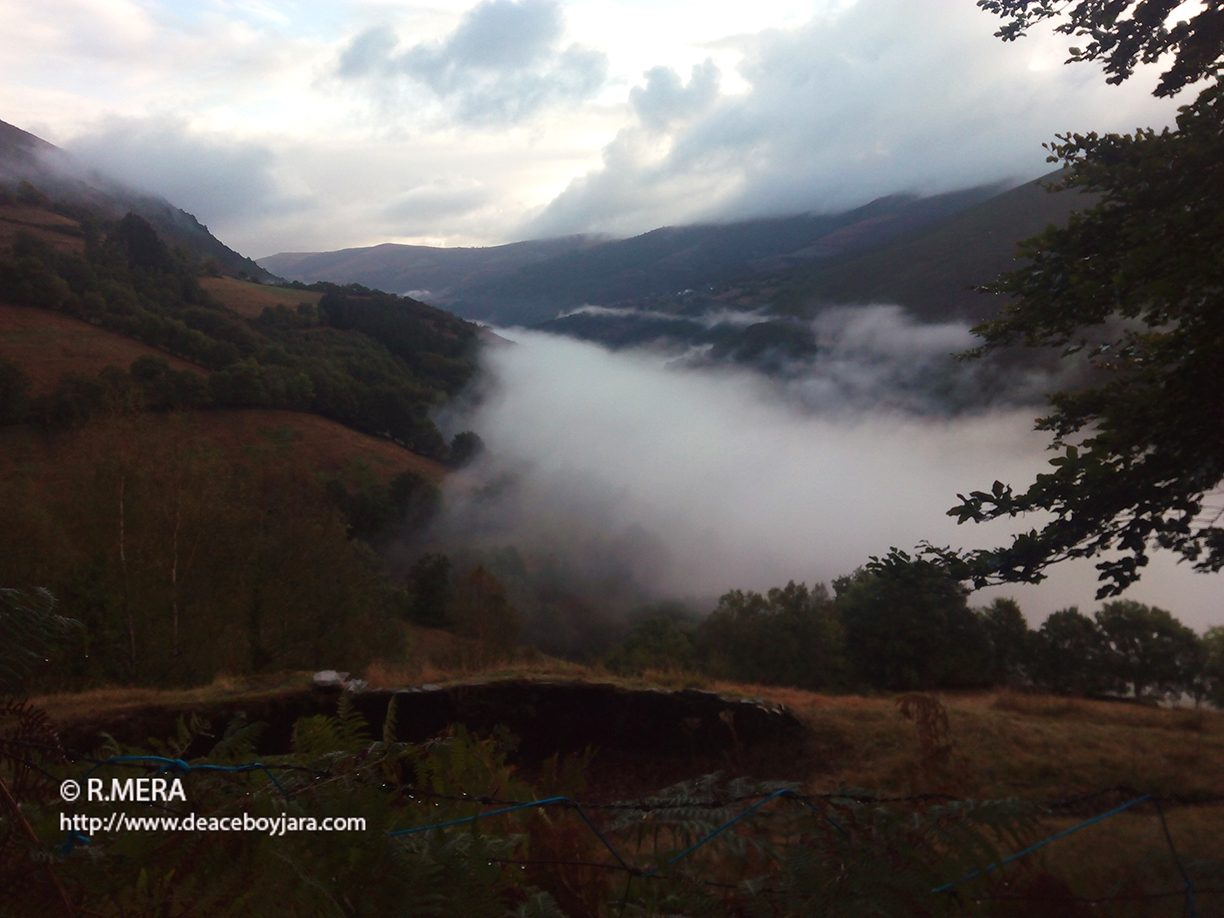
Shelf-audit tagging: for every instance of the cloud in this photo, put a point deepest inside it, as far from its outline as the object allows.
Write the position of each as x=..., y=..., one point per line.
x=221, y=180
x=692, y=482
x=665, y=100
x=419, y=209
x=880, y=97
x=504, y=63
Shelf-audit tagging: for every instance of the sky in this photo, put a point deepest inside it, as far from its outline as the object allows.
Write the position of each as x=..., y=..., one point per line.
x=312, y=125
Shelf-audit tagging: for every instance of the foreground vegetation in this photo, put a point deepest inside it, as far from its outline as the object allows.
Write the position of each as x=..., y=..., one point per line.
x=1037, y=755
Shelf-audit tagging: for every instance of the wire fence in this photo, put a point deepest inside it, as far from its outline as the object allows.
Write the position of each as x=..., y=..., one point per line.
x=161, y=765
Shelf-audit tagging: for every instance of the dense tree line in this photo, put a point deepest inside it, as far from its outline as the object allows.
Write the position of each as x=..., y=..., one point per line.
x=371, y=360
x=902, y=624
x=182, y=562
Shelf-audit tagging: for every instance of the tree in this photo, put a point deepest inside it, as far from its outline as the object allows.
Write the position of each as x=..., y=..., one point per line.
x=908, y=626
x=1212, y=684
x=14, y=392
x=1067, y=658
x=790, y=636
x=1010, y=640
x=658, y=642
x=430, y=588
x=481, y=611
x=1136, y=283
x=1147, y=650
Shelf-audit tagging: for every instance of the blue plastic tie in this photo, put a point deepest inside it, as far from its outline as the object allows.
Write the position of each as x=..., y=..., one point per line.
x=70, y=843
x=551, y=801
x=1031, y=848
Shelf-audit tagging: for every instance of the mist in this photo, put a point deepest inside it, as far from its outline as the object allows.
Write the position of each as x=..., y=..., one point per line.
x=635, y=477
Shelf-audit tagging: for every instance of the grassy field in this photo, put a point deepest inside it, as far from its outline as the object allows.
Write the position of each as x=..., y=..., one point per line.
x=61, y=233
x=47, y=344
x=1003, y=743
x=249, y=300
x=325, y=445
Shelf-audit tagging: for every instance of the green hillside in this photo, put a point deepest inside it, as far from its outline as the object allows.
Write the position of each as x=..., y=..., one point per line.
x=930, y=271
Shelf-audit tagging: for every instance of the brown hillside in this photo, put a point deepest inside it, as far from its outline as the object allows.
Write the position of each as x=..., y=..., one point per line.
x=249, y=300
x=326, y=445
x=47, y=344
x=61, y=233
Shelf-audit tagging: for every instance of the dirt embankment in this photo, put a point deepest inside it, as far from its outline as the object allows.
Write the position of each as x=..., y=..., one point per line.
x=673, y=733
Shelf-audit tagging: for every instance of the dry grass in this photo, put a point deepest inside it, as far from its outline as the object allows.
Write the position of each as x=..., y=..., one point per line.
x=78, y=707
x=249, y=300
x=324, y=444
x=41, y=224
x=47, y=344
x=1003, y=744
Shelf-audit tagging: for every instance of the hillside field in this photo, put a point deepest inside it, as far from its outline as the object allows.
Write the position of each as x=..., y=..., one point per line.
x=48, y=344
x=249, y=300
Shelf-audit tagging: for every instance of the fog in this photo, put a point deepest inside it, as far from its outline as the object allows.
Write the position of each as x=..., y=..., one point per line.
x=645, y=478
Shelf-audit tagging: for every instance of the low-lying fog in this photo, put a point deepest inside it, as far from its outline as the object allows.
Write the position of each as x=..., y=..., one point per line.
x=687, y=482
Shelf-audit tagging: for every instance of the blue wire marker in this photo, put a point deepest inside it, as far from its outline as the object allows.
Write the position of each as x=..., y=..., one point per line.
x=1031, y=848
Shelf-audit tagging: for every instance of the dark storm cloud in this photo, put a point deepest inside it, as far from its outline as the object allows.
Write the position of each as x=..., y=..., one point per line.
x=504, y=63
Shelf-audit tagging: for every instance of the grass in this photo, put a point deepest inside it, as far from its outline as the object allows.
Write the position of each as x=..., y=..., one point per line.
x=249, y=300
x=326, y=445
x=80, y=707
x=62, y=233
x=47, y=344
x=1004, y=744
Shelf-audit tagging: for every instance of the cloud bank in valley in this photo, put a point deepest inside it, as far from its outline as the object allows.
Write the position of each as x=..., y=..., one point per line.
x=694, y=482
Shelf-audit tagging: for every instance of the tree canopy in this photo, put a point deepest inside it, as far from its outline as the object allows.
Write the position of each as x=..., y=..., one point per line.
x=1136, y=284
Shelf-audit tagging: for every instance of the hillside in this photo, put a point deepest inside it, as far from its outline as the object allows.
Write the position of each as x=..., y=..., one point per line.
x=25, y=157
x=930, y=271
x=529, y=282
x=437, y=274
x=46, y=345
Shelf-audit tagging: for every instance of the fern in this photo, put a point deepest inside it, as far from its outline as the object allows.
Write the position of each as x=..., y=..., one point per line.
x=186, y=733
x=29, y=629
x=323, y=734
x=238, y=742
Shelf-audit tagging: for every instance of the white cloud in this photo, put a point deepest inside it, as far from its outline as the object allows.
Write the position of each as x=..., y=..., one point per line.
x=884, y=96
x=220, y=180
x=507, y=118
x=503, y=63
x=695, y=482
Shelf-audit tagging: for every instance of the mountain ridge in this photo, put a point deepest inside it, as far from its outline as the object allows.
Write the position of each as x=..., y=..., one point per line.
x=55, y=172
x=583, y=270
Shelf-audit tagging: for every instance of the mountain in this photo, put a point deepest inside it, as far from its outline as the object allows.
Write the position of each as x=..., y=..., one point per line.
x=25, y=157
x=931, y=271
x=530, y=282
x=428, y=271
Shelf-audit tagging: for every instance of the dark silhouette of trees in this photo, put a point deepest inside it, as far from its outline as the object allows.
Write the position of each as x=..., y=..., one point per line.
x=789, y=636
x=908, y=626
x=1136, y=283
